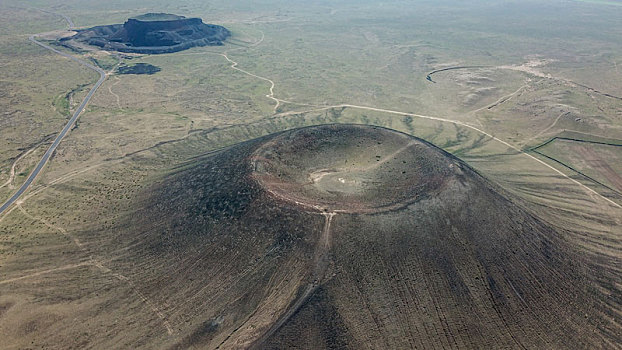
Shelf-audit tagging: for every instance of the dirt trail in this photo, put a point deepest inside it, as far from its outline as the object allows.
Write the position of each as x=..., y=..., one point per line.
x=9, y=182
x=64, y=232
x=316, y=176
x=387, y=158
x=118, y=98
x=93, y=261
x=547, y=128
x=43, y=272
x=501, y=100
x=234, y=65
x=321, y=263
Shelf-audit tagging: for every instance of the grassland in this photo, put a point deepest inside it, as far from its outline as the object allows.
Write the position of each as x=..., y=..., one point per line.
x=545, y=69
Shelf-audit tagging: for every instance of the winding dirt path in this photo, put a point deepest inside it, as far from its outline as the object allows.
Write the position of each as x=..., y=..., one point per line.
x=547, y=128
x=9, y=182
x=117, y=97
x=587, y=189
x=234, y=65
x=321, y=263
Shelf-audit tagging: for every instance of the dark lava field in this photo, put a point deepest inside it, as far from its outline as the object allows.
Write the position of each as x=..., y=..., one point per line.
x=153, y=33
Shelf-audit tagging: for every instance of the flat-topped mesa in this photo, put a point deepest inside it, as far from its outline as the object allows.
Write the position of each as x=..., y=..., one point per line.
x=154, y=33
x=157, y=17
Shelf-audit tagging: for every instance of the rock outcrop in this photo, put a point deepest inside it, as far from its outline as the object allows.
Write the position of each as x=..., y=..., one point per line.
x=154, y=33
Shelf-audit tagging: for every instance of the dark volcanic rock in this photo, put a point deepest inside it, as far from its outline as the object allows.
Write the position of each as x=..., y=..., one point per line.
x=154, y=33
x=139, y=68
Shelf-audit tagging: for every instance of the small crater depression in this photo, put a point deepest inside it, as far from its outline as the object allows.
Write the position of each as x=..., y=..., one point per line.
x=349, y=168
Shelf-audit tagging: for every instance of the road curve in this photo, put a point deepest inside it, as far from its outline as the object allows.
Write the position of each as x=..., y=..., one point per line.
x=68, y=126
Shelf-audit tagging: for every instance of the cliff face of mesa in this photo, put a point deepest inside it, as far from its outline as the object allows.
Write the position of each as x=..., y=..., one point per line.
x=154, y=33
x=164, y=33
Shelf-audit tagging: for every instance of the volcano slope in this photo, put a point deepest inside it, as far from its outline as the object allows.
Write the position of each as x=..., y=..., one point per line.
x=350, y=236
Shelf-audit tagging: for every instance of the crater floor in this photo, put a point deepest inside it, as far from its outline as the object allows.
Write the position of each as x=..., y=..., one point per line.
x=350, y=168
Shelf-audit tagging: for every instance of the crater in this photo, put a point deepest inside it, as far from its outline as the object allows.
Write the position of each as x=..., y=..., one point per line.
x=350, y=168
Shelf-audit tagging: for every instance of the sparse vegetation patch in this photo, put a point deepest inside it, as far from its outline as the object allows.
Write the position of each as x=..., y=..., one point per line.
x=138, y=68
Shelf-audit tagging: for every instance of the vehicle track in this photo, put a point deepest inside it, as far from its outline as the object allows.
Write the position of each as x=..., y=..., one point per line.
x=117, y=97
x=321, y=263
x=234, y=65
x=93, y=261
x=316, y=176
x=9, y=182
x=547, y=128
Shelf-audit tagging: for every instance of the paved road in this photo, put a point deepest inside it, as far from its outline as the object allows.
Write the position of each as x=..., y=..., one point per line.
x=68, y=126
